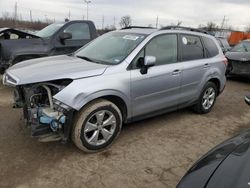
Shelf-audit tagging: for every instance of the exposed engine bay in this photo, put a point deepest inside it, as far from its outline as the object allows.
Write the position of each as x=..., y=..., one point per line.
x=46, y=116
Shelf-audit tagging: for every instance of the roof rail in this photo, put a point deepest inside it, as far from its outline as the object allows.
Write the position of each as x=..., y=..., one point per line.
x=184, y=28
x=137, y=27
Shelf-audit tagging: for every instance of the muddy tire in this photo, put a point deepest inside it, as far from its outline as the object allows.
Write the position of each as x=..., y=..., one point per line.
x=207, y=99
x=96, y=126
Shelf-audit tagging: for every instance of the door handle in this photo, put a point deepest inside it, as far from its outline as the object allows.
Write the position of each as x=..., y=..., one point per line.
x=176, y=72
x=206, y=65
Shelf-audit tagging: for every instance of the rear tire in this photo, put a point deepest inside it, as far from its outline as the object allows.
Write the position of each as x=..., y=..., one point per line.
x=207, y=99
x=96, y=126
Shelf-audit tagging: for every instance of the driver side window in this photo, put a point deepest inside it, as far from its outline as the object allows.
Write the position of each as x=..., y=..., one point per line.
x=79, y=31
x=163, y=47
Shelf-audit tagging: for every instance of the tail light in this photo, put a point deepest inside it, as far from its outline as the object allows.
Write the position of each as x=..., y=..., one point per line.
x=225, y=61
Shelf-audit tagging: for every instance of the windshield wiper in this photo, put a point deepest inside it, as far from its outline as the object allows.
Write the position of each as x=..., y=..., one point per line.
x=86, y=58
x=91, y=60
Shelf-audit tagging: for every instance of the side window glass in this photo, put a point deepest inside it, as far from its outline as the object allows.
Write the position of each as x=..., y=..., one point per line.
x=192, y=48
x=79, y=31
x=139, y=56
x=239, y=48
x=210, y=47
x=164, y=48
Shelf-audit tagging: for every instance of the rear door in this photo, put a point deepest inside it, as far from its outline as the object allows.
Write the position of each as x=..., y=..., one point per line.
x=193, y=67
x=160, y=87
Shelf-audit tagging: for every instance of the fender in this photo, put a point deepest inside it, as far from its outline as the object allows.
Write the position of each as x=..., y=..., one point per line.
x=15, y=58
x=82, y=99
x=212, y=73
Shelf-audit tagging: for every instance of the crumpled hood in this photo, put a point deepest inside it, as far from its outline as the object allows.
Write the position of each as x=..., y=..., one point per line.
x=53, y=68
x=238, y=56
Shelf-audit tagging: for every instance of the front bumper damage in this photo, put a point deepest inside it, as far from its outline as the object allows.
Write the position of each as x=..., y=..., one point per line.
x=49, y=119
x=238, y=67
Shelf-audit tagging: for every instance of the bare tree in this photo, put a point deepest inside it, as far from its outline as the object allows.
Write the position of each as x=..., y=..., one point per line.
x=6, y=15
x=126, y=21
x=176, y=24
x=211, y=26
x=248, y=28
x=179, y=23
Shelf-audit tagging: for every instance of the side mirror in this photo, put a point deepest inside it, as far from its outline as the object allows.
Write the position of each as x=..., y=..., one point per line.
x=149, y=61
x=145, y=63
x=65, y=36
x=247, y=99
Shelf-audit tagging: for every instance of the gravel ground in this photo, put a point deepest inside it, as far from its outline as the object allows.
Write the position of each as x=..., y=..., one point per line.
x=152, y=153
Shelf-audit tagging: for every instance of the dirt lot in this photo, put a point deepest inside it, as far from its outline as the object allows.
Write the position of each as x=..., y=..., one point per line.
x=151, y=153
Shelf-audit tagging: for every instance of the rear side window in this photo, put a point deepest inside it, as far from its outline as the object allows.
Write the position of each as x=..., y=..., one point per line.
x=79, y=31
x=210, y=47
x=192, y=48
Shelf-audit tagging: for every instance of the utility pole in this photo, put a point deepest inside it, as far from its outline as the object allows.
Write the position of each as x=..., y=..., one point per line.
x=15, y=12
x=87, y=3
x=69, y=15
x=222, y=33
x=224, y=22
x=157, y=22
x=102, y=22
x=31, y=20
x=114, y=22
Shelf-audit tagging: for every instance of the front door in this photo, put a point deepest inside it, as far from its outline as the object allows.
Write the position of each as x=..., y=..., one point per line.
x=80, y=36
x=160, y=87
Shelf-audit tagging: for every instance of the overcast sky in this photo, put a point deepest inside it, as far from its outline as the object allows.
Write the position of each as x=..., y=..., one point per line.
x=143, y=12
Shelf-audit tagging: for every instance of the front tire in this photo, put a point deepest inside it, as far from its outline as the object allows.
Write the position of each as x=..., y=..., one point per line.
x=96, y=126
x=207, y=99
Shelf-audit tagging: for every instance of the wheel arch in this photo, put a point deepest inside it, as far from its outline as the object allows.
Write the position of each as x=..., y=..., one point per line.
x=119, y=100
x=216, y=81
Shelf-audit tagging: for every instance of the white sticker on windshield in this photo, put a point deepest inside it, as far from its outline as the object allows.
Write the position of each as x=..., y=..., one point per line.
x=130, y=37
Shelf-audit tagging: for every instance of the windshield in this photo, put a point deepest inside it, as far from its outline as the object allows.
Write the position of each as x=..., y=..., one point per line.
x=111, y=48
x=242, y=47
x=49, y=30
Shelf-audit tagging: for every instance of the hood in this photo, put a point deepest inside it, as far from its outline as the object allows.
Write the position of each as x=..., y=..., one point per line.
x=238, y=56
x=234, y=171
x=53, y=68
x=19, y=33
x=225, y=160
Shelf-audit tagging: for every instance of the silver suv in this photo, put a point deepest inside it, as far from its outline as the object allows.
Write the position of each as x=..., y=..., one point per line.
x=120, y=77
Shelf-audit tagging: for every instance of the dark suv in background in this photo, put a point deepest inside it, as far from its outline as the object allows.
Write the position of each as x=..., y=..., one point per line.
x=55, y=39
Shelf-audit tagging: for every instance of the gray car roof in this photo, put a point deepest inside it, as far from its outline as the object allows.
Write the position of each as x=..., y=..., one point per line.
x=138, y=31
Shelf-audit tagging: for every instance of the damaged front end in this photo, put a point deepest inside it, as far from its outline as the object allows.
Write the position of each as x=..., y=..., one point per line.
x=49, y=119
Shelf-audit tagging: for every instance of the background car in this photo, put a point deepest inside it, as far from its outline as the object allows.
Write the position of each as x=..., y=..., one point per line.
x=239, y=59
x=55, y=39
x=223, y=44
x=225, y=166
